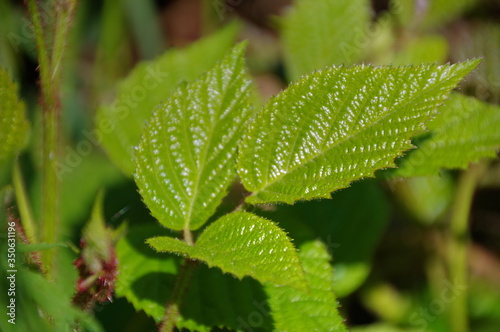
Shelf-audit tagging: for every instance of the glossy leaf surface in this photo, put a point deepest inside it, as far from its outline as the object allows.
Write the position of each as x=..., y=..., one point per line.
x=186, y=158
x=243, y=244
x=339, y=125
x=313, y=310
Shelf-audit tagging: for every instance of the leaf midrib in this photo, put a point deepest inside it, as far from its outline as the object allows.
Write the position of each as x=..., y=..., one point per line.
x=234, y=75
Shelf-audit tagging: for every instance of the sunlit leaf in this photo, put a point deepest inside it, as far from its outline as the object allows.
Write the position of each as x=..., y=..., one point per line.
x=312, y=310
x=465, y=131
x=339, y=125
x=186, y=158
x=243, y=244
x=120, y=123
x=317, y=34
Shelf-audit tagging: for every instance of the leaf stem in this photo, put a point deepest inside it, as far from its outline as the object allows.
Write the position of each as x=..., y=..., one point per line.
x=23, y=204
x=458, y=242
x=188, y=236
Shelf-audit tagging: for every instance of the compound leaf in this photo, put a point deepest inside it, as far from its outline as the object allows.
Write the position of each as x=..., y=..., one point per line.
x=338, y=125
x=13, y=122
x=465, y=131
x=317, y=34
x=313, y=310
x=243, y=244
x=186, y=158
x=120, y=123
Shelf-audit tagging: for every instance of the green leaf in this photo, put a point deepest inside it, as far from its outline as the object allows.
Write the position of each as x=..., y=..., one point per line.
x=317, y=34
x=339, y=125
x=41, y=305
x=98, y=238
x=427, y=198
x=13, y=123
x=337, y=222
x=185, y=161
x=220, y=300
x=423, y=49
x=144, y=277
x=120, y=123
x=465, y=131
x=212, y=300
x=243, y=244
x=430, y=14
x=313, y=310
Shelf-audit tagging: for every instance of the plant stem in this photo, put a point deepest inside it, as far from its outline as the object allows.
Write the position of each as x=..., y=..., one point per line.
x=27, y=220
x=49, y=142
x=459, y=239
x=43, y=58
x=64, y=14
x=180, y=287
x=50, y=84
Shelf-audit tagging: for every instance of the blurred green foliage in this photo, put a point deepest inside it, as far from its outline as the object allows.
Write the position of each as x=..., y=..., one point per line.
x=386, y=237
